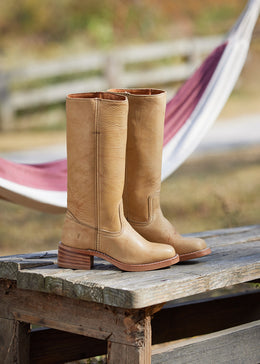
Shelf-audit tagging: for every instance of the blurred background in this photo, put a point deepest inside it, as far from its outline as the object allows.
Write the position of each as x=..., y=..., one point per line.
x=51, y=48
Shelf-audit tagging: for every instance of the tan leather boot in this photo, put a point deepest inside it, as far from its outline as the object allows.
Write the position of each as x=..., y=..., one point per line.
x=143, y=173
x=95, y=224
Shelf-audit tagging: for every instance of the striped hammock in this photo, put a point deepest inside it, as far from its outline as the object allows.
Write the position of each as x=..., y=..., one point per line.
x=189, y=115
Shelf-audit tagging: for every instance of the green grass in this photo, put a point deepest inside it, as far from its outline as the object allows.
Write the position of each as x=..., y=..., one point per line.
x=26, y=230
x=208, y=193
x=214, y=192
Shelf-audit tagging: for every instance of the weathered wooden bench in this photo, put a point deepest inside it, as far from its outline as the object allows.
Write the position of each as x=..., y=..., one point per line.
x=107, y=311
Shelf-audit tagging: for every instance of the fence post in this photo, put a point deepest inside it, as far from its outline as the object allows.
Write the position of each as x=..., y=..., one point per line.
x=194, y=55
x=113, y=70
x=6, y=109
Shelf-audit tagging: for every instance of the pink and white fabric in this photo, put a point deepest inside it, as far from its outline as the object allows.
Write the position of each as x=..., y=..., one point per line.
x=204, y=95
x=189, y=115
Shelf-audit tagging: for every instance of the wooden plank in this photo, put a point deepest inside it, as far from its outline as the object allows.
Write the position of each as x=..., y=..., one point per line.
x=131, y=54
x=49, y=345
x=50, y=254
x=238, y=345
x=14, y=342
x=9, y=270
x=138, y=354
x=162, y=75
x=170, y=323
x=235, y=258
x=54, y=346
x=251, y=229
x=216, y=238
x=224, y=267
x=59, y=67
x=6, y=110
x=22, y=100
x=204, y=317
x=55, y=93
x=10, y=265
x=119, y=353
x=79, y=317
x=230, y=238
x=161, y=50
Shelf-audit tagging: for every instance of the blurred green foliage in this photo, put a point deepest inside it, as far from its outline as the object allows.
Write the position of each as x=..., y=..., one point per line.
x=106, y=22
x=212, y=19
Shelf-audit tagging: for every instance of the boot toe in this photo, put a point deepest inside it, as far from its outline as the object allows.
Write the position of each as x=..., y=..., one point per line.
x=185, y=245
x=163, y=251
x=192, y=248
x=199, y=244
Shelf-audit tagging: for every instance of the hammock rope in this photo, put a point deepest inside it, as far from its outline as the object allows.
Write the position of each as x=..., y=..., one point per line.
x=189, y=115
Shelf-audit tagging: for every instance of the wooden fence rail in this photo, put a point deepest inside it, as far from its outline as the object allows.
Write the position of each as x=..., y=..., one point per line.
x=136, y=66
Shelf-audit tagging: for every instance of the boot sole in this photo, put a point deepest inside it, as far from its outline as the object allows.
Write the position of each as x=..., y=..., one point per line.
x=75, y=258
x=194, y=255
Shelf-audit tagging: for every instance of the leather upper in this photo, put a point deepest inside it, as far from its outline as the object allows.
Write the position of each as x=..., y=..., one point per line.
x=96, y=132
x=144, y=150
x=143, y=170
x=96, y=145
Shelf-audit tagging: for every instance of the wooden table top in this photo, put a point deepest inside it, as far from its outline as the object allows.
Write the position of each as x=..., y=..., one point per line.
x=235, y=259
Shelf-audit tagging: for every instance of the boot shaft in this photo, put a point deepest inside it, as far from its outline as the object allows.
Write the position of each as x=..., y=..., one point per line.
x=96, y=145
x=95, y=224
x=144, y=151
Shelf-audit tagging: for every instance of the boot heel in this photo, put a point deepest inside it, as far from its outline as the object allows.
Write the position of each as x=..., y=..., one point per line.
x=74, y=258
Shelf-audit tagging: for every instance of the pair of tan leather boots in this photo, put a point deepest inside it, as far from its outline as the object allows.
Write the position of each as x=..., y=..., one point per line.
x=114, y=147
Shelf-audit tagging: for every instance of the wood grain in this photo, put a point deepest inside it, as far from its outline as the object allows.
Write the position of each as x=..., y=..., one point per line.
x=14, y=342
x=138, y=354
x=72, y=315
x=10, y=265
x=108, y=304
x=225, y=266
x=171, y=323
x=235, y=259
x=238, y=345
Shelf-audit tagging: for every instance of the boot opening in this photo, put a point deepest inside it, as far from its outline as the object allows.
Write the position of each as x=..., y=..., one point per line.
x=138, y=91
x=96, y=95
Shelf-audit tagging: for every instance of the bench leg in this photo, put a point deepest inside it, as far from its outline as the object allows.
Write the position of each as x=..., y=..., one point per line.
x=14, y=342
x=140, y=353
